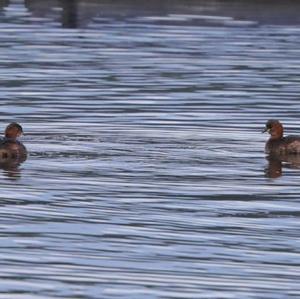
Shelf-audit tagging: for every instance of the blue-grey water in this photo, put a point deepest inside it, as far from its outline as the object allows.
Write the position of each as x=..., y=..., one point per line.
x=146, y=175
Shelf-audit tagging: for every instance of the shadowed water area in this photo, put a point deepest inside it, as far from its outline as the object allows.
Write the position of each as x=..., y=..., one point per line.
x=146, y=175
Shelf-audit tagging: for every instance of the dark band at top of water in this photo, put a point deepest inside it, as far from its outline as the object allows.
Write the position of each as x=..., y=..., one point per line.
x=78, y=13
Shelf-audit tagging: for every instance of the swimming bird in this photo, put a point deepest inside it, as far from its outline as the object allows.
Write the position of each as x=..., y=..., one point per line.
x=10, y=146
x=277, y=143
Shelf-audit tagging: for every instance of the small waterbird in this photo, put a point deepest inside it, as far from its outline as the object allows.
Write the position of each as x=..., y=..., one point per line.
x=279, y=144
x=10, y=146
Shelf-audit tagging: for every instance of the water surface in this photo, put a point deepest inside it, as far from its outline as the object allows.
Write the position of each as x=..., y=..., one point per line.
x=146, y=176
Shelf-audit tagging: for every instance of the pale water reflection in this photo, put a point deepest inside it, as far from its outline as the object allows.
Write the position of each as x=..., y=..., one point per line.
x=147, y=176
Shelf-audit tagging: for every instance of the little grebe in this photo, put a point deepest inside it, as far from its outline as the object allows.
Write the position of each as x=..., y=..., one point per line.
x=10, y=147
x=277, y=144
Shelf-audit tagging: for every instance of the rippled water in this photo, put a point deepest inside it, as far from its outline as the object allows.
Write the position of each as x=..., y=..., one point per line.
x=146, y=176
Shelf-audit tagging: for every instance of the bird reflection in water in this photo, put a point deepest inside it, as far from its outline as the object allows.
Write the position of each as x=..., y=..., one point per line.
x=12, y=152
x=277, y=162
x=11, y=167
